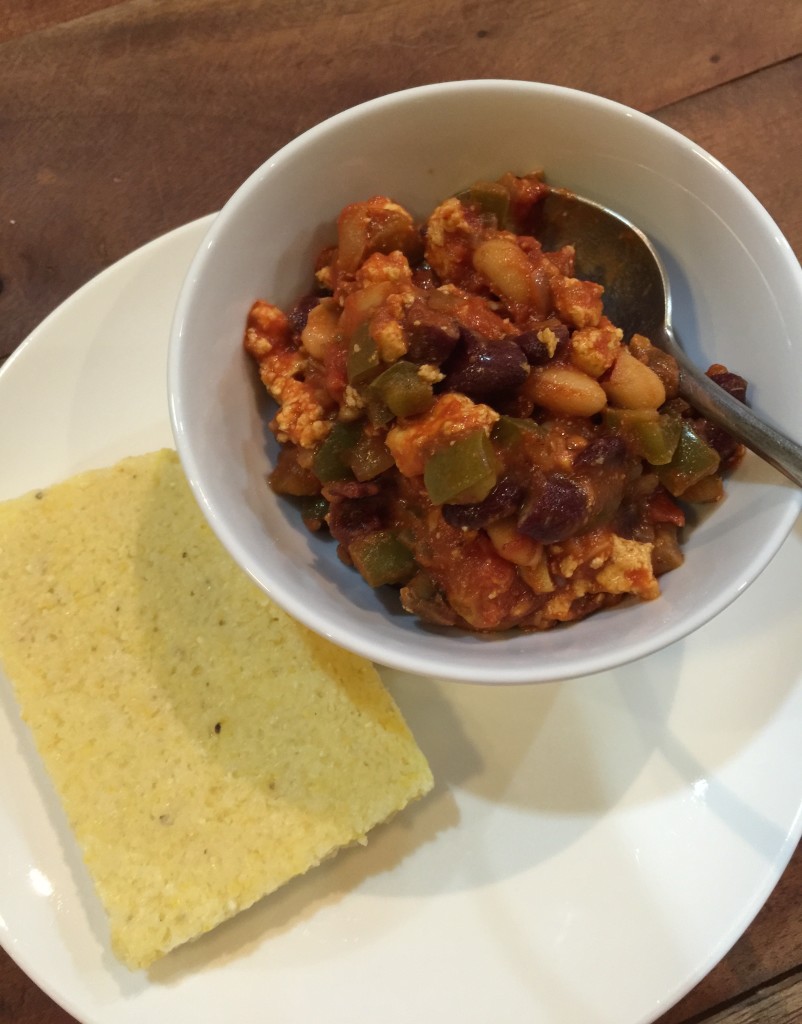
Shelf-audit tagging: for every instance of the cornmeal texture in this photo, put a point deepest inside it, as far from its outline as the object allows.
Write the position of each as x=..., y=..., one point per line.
x=206, y=747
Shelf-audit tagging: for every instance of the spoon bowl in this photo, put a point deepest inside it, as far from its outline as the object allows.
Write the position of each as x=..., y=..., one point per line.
x=637, y=298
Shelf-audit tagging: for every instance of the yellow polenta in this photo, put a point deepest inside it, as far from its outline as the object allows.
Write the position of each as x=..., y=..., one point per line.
x=206, y=747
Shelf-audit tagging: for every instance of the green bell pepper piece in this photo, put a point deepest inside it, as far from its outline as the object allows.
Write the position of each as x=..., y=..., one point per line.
x=401, y=389
x=313, y=510
x=369, y=457
x=377, y=413
x=692, y=461
x=362, y=359
x=653, y=436
x=289, y=477
x=382, y=558
x=491, y=198
x=330, y=461
x=463, y=473
x=508, y=431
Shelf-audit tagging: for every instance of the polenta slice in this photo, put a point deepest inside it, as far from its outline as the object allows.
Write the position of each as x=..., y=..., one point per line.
x=206, y=747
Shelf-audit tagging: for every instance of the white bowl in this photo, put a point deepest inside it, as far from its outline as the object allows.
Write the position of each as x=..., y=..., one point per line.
x=737, y=291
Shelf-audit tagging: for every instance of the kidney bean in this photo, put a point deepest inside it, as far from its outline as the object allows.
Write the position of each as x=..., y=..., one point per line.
x=556, y=509
x=421, y=596
x=728, y=448
x=725, y=444
x=424, y=277
x=299, y=313
x=603, y=468
x=631, y=523
x=537, y=351
x=482, y=367
x=431, y=343
x=349, y=518
x=733, y=383
x=432, y=335
x=517, y=405
x=663, y=364
x=503, y=500
x=603, y=452
x=350, y=489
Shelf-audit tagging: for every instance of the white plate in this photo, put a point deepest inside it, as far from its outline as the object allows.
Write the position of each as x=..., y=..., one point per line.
x=592, y=847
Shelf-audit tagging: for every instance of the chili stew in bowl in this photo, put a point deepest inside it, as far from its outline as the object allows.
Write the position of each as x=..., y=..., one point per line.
x=457, y=410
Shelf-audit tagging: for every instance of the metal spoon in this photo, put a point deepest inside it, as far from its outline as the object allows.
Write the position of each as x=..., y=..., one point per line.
x=614, y=253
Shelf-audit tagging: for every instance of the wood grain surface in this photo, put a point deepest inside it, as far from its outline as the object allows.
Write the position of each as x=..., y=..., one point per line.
x=120, y=121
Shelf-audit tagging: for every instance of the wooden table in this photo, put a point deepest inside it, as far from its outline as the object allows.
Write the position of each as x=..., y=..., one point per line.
x=120, y=121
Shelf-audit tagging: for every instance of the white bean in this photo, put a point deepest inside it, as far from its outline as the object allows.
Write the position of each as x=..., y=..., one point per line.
x=566, y=390
x=321, y=328
x=632, y=384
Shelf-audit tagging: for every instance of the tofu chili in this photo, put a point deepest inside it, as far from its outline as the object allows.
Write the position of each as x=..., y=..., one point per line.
x=455, y=408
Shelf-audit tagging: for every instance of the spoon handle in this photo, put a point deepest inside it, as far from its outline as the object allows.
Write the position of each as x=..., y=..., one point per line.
x=715, y=404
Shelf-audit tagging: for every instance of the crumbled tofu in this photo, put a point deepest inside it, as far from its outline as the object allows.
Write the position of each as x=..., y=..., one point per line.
x=430, y=374
x=449, y=240
x=594, y=349
x=352, y=405
x=629, y=570
x=268, y=340
x=301, y=420
x=380, y=266
x=579, y=302
x=270, y=321
x=451, y=416
x=448, y=218
x=390, y=339
x=547, y=337
x=325, y=278
x=386, y=326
